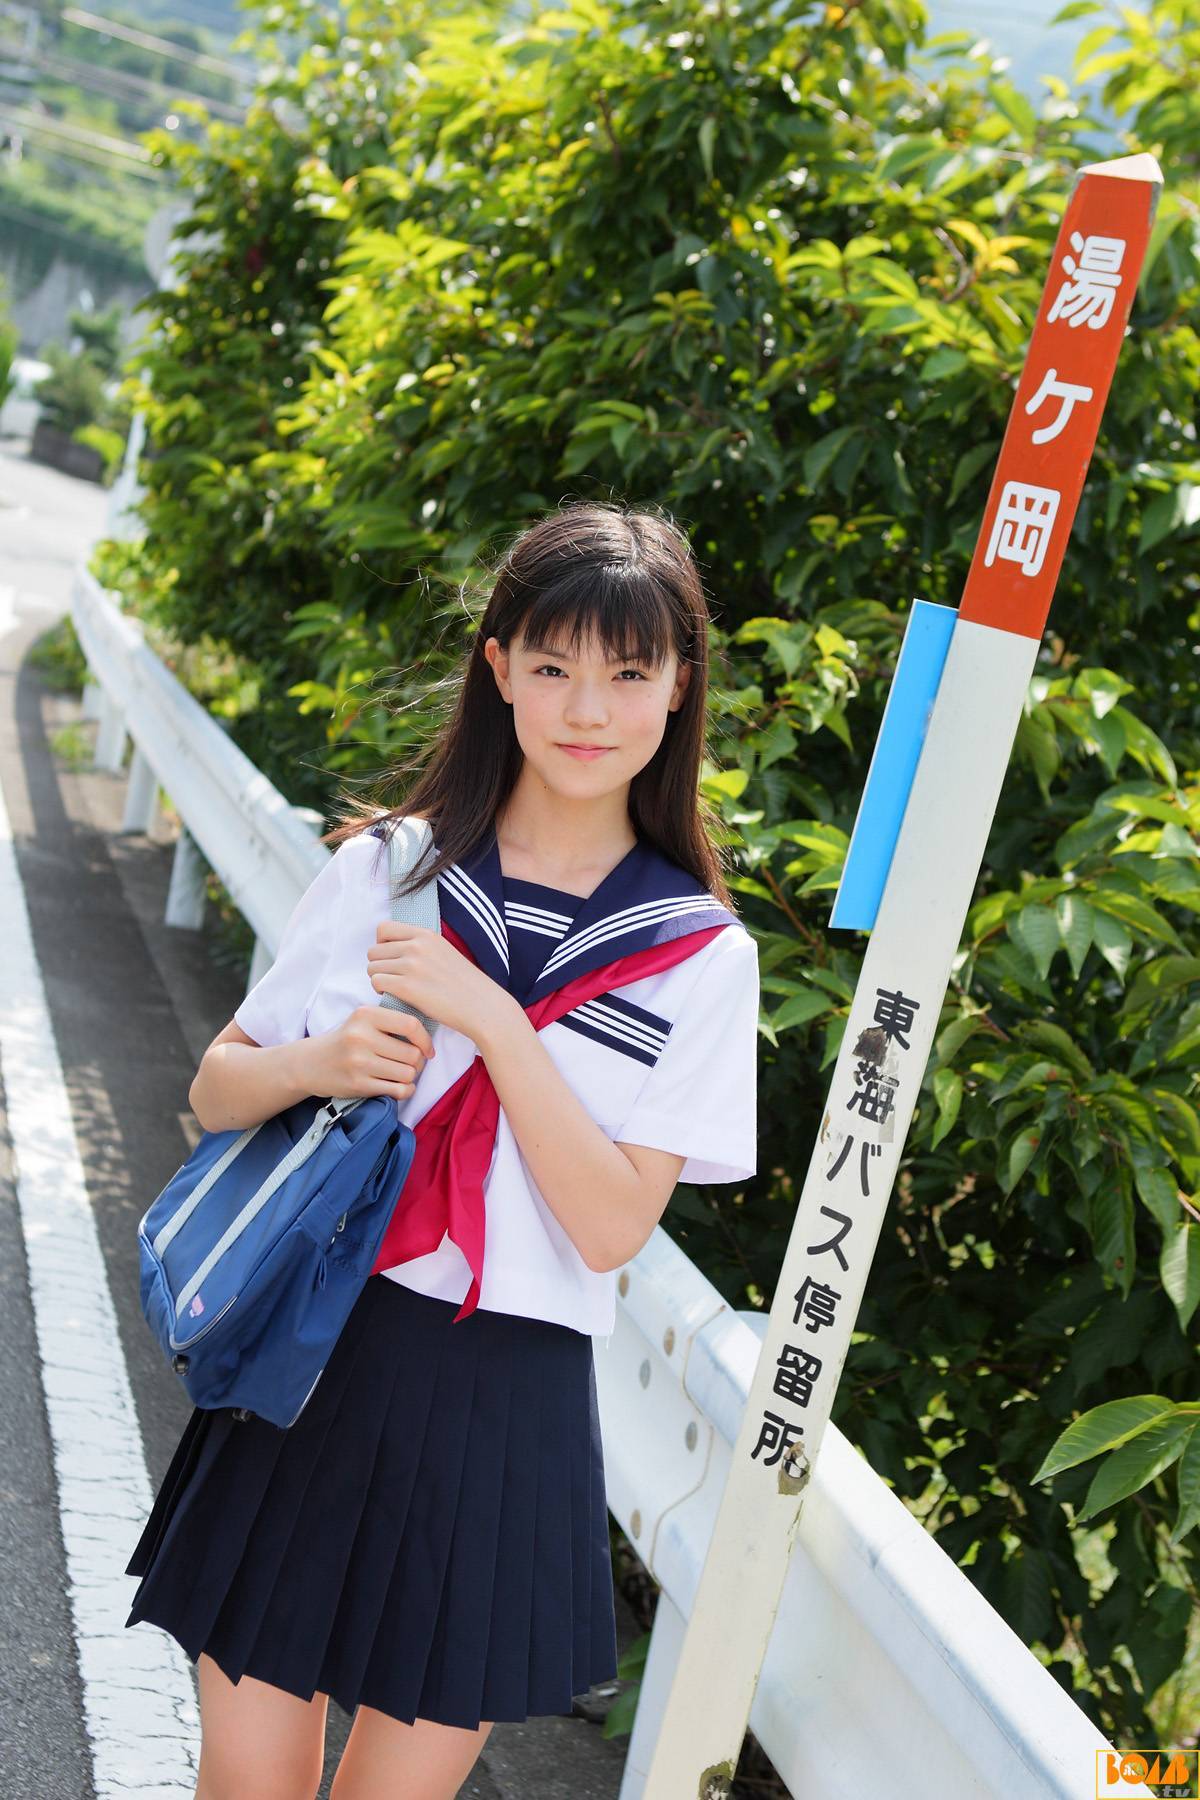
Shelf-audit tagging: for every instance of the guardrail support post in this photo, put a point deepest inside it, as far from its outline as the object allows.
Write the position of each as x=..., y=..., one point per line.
x=111, y=737
x=186, y=893
x=141, y=796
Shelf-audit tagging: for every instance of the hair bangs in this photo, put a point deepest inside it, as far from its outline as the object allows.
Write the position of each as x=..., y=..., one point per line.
x=619, y=606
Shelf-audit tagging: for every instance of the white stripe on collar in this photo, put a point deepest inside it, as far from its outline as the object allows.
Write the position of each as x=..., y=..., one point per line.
x=471, y=896
x=631, y=918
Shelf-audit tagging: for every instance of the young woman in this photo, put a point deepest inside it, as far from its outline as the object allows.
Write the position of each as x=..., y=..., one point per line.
x=428, y=1542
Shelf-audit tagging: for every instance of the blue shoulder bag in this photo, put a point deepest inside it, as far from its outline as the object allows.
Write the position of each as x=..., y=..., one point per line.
x=258, y=1247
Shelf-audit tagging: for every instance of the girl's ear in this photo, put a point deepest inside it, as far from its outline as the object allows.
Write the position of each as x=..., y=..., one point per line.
x=682, y=676
x=499, y=661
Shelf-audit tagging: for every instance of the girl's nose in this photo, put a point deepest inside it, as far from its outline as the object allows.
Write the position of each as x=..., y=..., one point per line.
x=586, y=708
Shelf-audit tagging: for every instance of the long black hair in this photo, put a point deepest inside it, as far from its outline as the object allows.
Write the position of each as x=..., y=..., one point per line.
x=627, y=576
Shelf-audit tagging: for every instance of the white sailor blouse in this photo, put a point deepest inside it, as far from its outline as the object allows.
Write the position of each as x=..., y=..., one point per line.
x=645, y=994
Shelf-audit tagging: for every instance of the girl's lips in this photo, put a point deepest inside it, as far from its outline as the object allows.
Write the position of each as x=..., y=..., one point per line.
x=588, y=753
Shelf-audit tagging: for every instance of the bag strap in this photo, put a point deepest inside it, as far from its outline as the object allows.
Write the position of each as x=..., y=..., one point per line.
x=407, y=841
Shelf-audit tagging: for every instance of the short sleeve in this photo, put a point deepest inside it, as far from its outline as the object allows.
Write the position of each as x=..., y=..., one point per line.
x=701, y=1097
x=275, y=1011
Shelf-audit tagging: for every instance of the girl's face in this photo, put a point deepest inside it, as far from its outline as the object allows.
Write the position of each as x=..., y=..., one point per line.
x=618, y=710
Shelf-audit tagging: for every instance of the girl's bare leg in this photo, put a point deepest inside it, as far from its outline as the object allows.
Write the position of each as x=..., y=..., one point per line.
x=257, y=1742
x=385, y=1758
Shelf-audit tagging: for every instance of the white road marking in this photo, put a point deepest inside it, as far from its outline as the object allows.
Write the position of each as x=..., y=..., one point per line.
x=139, y=1710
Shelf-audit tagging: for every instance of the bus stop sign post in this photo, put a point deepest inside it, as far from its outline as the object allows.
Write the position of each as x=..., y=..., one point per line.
x=931, y=872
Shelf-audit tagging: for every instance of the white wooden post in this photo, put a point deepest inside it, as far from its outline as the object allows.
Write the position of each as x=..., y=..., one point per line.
x=1030, y=509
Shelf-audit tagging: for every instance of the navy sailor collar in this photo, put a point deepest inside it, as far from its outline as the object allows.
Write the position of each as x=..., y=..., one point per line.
x=646, y=899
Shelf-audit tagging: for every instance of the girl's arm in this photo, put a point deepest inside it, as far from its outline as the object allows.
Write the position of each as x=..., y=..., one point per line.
x=608, y=1198
x=241, y=1082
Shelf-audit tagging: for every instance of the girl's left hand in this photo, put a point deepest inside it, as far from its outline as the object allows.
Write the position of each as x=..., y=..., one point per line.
x=422, y=967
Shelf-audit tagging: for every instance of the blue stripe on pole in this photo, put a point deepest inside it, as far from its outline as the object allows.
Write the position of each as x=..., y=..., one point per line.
x=893, y=765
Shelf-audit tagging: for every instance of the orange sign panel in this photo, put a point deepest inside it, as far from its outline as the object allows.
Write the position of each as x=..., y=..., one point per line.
x=1052, y=428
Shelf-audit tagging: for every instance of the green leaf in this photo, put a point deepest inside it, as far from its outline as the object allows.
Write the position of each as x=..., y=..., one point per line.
x=948, y=1092
x=1179, y=1267
x=1084, y=836
x=1102, y=1428
x=1036, y=1075
x=893, y=277
x=1169, y=513
x=1145, y=806
x=1048, y=1036
x=956, y=1033
x=943, y=364
x=1158, y=1191
x=1028, y=1594
x=799, y=1009
x=1165, y=975
x=1136, y=913
x=730, y=782
x=1184, y=1115
x=778, y=741
x=707, y=135
x=1113, y=941
x=1126, y=1470
x=819, y=456
x=1112, y=1230
x=1021, y=1153
x=1145, y=745
x=969, y=465
x=1188, y=1481
x=1014, y=106
x=1036, y=740
x=1075, y=921
x=1035, y=929
x=624, y=409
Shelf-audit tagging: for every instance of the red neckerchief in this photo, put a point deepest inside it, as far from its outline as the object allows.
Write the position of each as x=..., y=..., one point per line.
x=443, y=1191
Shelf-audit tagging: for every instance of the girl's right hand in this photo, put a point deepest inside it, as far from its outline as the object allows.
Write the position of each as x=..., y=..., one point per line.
x=375, y=1050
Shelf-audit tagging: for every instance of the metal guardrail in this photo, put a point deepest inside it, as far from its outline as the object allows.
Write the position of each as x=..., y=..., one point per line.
x=234, y=819
x=887, y=1670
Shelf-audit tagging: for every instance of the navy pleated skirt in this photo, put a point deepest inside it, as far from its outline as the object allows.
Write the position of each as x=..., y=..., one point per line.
x=430, y=1538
